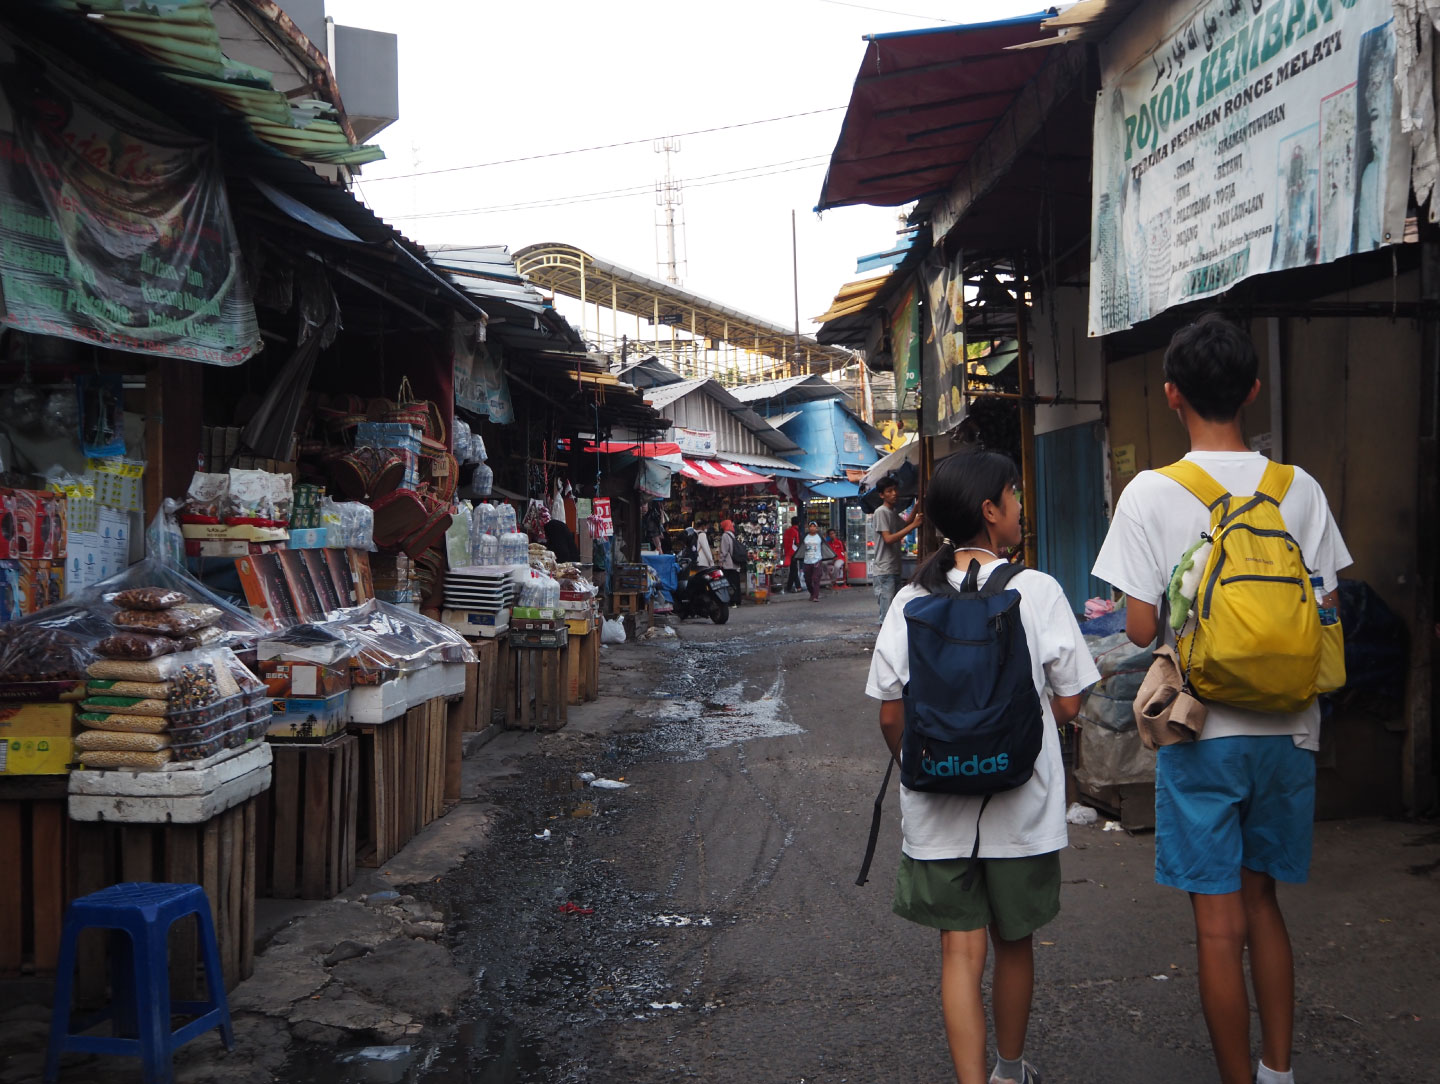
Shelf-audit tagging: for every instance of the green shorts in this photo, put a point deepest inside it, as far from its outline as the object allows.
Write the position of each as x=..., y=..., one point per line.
x=1015, y=895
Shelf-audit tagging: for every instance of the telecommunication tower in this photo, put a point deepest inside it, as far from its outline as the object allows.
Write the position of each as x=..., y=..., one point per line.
x=670, y=221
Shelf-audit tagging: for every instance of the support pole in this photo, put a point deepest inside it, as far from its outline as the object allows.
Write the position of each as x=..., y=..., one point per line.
x=795, y=280
x=1027, y=421
x=1418, y=781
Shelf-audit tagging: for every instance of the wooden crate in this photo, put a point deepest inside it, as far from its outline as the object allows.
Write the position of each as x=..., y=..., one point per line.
x=33, y=889
x=402, y=779
x=582, y=665
x=627, y=602
x=504, y=681
x=307, y=820
x=218, y=855
x=537, y=686
x=480, y=685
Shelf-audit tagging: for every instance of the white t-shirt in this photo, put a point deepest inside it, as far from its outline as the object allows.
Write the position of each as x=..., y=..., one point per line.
x=1157, y=520
x=703, y=557
x=1031, y=818
x=810, y=545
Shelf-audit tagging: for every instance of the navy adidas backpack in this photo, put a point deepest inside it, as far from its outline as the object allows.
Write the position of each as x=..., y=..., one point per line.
x=973, y=722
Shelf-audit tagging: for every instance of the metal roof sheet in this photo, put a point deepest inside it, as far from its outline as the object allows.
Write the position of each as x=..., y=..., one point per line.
x=766, y=432
x=182, y=40
x=923, y=101
x=575, y=273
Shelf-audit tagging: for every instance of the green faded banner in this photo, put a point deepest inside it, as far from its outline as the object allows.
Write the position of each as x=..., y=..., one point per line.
x=114, y=228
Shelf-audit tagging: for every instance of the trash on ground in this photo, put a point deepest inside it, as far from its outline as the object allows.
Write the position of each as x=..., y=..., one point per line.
x=1161, y=978
x=382, y=895
x=666, y=1005
x=378, y=1053
x=543, y=835
x=570, y=908
x=608, y=784
x=584, y=809
x=585, y=777
x=1081, y=814
x=1112, y=826
x=680, y=920
x=612, y=631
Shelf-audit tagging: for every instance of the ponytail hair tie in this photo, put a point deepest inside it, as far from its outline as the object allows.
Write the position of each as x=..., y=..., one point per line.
x=947, y=542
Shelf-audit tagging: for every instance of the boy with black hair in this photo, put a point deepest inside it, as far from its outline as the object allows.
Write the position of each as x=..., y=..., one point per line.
x=890, y=528
x=1234, y=810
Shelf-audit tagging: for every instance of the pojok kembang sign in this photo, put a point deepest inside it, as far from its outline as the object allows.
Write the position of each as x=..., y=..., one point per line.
x=1256, y=136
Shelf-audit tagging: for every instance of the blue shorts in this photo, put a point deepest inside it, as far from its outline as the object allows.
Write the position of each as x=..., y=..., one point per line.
x=1229, y=803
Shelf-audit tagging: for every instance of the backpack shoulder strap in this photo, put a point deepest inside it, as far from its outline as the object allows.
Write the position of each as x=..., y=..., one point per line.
x=1000, y=579
x=1197, y=480
x=1275, y=482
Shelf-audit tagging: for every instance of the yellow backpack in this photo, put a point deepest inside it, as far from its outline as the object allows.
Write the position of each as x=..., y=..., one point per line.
x=1254, y=639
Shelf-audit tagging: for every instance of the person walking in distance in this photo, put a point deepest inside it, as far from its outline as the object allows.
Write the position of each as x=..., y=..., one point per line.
x=789, y=543
x=1234, y=809
x=836, y=547
x=973, y=863
x=890, y=529
x=704, y=558
x=812, y=547
x=729, y=562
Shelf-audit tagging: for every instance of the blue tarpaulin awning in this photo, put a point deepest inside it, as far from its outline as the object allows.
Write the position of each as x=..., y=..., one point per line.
x=835, y=490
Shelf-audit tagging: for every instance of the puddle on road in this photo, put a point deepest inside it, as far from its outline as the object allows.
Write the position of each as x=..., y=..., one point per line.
x=692, y=728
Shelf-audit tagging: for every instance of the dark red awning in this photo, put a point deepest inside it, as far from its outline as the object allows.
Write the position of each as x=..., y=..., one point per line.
x=923, y=101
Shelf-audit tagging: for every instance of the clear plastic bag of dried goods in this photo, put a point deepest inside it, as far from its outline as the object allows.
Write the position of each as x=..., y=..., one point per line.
x=60, y=641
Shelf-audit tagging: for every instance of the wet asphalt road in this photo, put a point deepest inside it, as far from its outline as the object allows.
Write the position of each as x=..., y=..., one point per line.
x=728, y=941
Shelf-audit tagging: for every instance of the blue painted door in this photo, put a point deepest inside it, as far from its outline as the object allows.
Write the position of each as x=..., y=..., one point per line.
x=1070, y=522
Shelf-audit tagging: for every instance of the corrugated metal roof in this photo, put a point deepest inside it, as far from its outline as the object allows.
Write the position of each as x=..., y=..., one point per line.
x=767, y=433
x=799, y=389
x=923, y=101
x=181, y=38
x=665, y=394
x=571, y=271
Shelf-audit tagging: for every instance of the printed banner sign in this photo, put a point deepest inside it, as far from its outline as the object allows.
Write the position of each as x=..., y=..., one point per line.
x=695, y=441
x=114, y=229
x=1257, y=136
x=944, y=357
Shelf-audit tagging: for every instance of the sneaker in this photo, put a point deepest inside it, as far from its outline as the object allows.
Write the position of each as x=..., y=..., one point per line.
x=1031, y=1075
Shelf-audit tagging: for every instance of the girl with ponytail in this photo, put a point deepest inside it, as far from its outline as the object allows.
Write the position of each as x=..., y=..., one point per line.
x=1015, y=890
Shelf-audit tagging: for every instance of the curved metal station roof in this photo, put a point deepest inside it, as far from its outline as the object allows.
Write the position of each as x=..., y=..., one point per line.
x=575, y=273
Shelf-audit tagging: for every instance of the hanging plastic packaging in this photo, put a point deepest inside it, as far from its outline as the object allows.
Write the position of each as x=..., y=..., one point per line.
x=483, y=481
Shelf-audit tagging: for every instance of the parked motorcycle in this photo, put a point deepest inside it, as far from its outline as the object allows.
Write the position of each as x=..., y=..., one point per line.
x=702, y=592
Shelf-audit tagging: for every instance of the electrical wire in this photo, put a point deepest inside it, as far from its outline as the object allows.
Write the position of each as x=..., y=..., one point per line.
x=604, y=146
x=886, y=11
x=703, y=181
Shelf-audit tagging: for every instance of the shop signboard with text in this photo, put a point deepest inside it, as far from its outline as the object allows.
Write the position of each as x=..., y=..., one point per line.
x=1258, y=135
x=114, y=228
x=695, y=441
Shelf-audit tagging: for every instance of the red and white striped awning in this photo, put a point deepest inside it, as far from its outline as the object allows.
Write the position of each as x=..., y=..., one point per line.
x=714, y=472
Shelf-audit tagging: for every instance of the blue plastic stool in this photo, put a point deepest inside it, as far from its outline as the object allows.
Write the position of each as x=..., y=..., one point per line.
x=139, y=978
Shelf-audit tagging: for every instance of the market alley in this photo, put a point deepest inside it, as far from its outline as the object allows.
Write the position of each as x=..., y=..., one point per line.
x=717, y=934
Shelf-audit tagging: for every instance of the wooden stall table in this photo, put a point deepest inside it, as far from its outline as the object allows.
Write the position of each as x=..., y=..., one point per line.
x=481, y=684
x=537, y=688
x=218, y=854
x=403, y=771
x=583, y=666
x=308, y=819
x=191, y=825
x=34, y=833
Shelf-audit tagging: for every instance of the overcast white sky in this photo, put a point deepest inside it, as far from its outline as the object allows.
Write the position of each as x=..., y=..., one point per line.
x=488, y=80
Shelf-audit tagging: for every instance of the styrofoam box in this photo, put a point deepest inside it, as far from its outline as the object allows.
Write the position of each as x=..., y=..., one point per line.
x=191, y=797
x=379, y=703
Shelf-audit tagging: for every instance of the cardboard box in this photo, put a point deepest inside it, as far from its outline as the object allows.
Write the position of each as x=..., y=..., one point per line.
x=307, y=538
x=36, y=738
x=42, y=584
x=285, y=679
x=263, y=582
x=340, y=579
x=309, y=717
x=359, y=561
